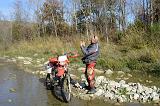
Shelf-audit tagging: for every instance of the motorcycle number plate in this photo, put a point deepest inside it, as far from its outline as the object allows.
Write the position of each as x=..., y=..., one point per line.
x=49, y=70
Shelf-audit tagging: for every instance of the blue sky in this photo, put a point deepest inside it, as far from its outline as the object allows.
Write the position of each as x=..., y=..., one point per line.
x=5, y=7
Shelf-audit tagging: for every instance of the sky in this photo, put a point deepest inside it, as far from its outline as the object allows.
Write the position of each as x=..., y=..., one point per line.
x=5, y=7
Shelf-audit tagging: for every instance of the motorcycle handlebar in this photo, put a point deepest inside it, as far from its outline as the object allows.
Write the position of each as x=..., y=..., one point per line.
x=72, y=54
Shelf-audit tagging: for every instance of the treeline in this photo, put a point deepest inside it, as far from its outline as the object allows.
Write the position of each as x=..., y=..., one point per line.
x=112, y=19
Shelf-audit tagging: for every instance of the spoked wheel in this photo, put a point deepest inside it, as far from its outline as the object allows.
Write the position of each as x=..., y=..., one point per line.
x=66, y=88
x=48, y=82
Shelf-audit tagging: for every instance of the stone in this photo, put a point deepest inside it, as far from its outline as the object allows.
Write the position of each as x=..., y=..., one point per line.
x=20, y=58
x=118, y=78
x=122, y=82
x=154, y=96
x=125, y=78
x=108, y=72
x=139, y=88
x=42, y=72
x=147, y=90
x=120, y=99
x=35, y=55
x=27, y=62
x=150, y=81
x=98, y=71
x=120, y=72
x=100, y=80
x=28, y=58
x=13, y=60
x=9, y=100
x=129, y=88
x=46, y=63
x=99, y=92
x=125, y=86
x=113, y=84
x=129, y=75
x=12, y=90
x=109, y=95
x=154, y=88
x=135, y=96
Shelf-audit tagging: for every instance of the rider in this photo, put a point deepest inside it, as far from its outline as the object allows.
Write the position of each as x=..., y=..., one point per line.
x=90, y=56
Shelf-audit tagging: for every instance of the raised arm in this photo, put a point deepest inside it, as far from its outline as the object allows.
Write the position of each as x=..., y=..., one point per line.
x=89, y=50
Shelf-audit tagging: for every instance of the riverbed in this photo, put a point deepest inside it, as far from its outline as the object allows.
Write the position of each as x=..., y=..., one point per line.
x=19, y=88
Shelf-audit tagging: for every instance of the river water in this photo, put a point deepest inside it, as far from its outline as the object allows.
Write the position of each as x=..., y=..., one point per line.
x=18, y=88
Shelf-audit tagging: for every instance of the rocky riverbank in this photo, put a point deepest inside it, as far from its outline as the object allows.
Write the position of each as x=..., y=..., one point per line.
x=121, y=91
x=108, y=90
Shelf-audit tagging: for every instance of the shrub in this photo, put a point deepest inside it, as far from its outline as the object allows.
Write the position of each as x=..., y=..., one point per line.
x=155, y=69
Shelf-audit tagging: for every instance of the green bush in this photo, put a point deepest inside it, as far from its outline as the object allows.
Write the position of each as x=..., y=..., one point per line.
x=155, y=69
x=148, y=58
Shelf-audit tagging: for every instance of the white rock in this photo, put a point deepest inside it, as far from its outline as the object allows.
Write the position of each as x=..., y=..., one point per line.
x=120, y=72
x=134, y=90
x=28, y=58
x=13, y=60
x=125, y=86
x=129, y=75
x=27, y=62
x=128, y=89
x=135, y=96
x=100, y=80
x=139, y=88
x=9, y=100
x=42, y=72
x=113, y=84
x=108, y=72
x=120, y=99
x=35, y=55
x=20, y=58
x=122, y=82
x=148, y=90
x=154, y=88
x=155, y=96
x=125, y=78
x=99, y=92
x=109, y=95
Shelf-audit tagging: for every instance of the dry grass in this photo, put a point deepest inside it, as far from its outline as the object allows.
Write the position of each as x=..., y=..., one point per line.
x=117, y=57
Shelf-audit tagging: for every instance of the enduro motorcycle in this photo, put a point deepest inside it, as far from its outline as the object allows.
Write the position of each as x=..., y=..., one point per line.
x=58, y=74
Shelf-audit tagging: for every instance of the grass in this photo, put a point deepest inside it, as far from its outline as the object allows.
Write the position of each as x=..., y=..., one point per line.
x=129, y=54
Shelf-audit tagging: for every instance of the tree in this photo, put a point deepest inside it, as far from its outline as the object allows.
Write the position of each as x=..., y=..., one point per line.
x=18, y=19
x=52, y=17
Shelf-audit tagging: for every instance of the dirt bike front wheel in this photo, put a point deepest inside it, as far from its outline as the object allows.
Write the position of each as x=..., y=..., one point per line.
x=48, y=82
x=66, y=88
